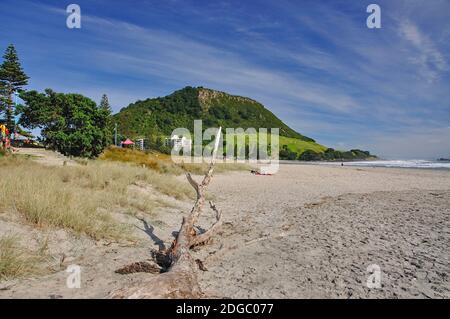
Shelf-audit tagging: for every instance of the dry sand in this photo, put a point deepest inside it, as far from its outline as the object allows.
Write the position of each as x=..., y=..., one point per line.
x=312, y=231
x=307, y=232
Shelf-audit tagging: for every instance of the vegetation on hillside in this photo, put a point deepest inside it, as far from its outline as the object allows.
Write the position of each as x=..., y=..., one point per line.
x=334, y=155
x=160, y=116
x=298, y=146
x=156, y=118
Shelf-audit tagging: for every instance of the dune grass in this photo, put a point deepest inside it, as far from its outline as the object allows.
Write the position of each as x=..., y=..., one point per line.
x=16, y=261
x=200, y=169
x=163, y=163
x=154, y=161
x=79, y=198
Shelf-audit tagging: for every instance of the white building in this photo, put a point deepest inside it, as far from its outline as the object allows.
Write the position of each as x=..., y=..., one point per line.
x=179, y=142
x=140, y=144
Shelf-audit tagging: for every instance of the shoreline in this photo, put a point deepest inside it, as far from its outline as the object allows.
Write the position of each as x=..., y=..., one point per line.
x=349, y=164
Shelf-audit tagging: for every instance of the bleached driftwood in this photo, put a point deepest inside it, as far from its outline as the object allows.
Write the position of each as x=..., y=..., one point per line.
x=180, y=279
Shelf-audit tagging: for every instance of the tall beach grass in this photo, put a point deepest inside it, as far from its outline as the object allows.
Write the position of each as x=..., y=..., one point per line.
x=79, y=198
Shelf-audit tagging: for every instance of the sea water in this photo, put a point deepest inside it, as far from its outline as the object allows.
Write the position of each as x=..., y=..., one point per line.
x=400, y=164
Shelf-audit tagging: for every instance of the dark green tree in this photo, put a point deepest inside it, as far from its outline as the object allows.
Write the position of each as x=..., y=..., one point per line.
x=286, y=154
x=3, y=97
x=310, y=155
x=12, y=80
x=70, y=123
x=105, y=108
x=104, y=104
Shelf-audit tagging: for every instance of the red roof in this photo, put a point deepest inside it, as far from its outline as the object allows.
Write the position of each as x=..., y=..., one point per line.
x=128, y=142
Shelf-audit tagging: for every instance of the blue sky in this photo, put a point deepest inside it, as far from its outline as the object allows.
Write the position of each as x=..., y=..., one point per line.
x=315, y=64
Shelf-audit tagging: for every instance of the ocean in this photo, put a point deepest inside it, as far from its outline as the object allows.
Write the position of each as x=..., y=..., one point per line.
x=400, y=164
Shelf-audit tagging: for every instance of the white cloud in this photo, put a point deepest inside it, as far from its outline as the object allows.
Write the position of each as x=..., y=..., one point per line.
x=173, y=57
x=430, y=60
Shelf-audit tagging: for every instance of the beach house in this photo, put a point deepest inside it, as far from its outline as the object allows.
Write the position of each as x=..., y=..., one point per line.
x=178, y=142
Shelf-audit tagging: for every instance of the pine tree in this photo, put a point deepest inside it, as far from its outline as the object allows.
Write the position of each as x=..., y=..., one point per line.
x=3, y=97
x=12, y=80
x=104, y=104
x=106, y=111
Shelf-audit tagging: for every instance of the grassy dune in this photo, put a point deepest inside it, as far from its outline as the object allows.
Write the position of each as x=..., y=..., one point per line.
x=162, y=163
x=84, y=199
x=79, y=198
x=17, y=261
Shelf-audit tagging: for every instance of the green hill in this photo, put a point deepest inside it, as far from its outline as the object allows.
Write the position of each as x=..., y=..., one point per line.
x=163, y=114
x=160, y=116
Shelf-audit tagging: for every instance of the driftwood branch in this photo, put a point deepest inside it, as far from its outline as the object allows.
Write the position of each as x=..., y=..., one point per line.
x=193, y=183
x=207, y=235
x=180, y=280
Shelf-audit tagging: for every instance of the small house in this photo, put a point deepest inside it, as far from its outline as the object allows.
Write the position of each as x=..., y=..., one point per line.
x=178, y=142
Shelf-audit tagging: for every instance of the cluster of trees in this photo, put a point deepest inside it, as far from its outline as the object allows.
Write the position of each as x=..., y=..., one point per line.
x=286, y=154
x=329, y=155
x=70, y=123
x=157, y=143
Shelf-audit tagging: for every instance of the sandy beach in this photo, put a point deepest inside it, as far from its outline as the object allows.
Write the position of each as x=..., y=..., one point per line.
x=309, y=231
x=312, y=231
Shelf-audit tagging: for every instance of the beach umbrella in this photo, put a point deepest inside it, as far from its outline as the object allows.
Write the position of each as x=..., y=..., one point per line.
x=128, y=142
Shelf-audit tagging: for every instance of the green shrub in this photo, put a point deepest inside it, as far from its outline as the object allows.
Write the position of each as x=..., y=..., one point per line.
x=310, y=155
